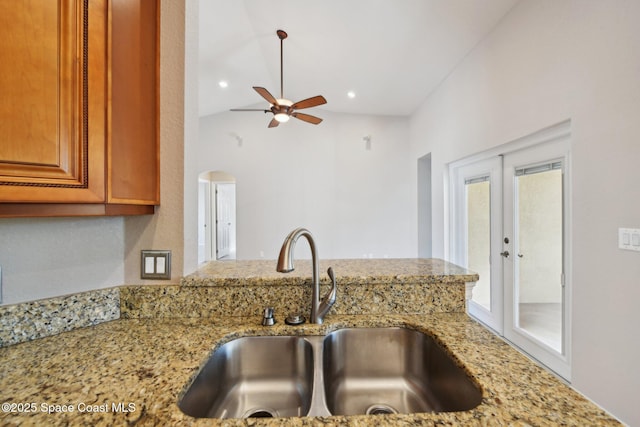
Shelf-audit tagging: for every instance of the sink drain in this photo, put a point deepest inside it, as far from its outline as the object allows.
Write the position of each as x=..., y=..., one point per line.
x=260, y=413
x=380, y=409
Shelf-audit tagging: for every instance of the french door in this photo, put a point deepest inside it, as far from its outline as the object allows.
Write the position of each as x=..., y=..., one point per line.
x=510, y=225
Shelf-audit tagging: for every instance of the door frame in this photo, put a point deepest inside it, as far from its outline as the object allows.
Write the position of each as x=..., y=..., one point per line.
x=207, y=207
x=205, y=220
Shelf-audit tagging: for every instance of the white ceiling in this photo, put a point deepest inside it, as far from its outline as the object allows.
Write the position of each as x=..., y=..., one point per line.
x=392, y=54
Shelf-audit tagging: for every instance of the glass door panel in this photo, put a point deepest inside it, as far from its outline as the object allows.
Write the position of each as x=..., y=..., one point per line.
x=478, y=204
x=539, y=231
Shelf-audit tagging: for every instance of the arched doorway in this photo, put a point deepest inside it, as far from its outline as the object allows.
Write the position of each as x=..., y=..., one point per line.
x=216, y=216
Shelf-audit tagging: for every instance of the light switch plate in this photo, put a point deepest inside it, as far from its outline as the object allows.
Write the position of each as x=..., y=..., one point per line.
x=155, y=265
x=629, y=239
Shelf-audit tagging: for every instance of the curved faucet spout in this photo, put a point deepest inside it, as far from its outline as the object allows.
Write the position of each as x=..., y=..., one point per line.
x=285, y=259
x=285, y=265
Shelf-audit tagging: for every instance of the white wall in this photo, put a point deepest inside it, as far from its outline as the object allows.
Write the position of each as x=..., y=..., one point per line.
x=546, y=62
x=354, y=201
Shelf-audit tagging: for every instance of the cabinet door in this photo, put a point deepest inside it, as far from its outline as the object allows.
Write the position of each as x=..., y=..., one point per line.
x=52, y=114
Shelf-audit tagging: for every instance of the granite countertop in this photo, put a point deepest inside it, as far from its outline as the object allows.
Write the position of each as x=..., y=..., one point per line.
x=354, y=271
x=144, y=365
x=133, y=369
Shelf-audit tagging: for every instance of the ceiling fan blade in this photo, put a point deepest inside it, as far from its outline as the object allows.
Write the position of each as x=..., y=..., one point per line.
x=249, y=109
x=307, y=118
x=309, y=102
x=273, y=123
x=266, y=95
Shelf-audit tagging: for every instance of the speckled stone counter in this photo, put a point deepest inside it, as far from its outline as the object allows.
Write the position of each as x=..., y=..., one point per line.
x=357, y=271
x=133, y=370
x=143, y=365
x=37, y=319
x=245, y=288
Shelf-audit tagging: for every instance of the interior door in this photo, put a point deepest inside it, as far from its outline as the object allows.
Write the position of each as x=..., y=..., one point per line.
x=224, y=219
x=534, y=259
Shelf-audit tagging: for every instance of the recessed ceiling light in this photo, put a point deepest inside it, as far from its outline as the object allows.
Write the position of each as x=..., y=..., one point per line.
x=223, y=84
x=351, y=94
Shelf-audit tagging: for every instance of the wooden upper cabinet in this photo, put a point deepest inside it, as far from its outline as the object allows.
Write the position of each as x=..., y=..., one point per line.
x=134, y=151
x=79, y=107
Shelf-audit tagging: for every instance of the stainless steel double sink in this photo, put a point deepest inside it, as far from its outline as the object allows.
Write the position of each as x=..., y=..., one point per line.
x=352, y=371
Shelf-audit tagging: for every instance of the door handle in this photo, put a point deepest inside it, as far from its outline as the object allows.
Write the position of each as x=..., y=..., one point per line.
x=505, y=254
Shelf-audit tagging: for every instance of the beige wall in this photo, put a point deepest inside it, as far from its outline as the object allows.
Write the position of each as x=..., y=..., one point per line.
x=47, y=257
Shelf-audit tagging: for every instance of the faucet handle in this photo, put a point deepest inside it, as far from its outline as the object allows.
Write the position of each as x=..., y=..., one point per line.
x=330, y=299
x=331, y=275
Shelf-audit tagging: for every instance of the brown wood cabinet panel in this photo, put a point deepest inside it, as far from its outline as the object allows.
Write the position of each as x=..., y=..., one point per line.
x=17, y=210
x=133, y=146
x=29, y=100
x=43, y=142
x=79, y=107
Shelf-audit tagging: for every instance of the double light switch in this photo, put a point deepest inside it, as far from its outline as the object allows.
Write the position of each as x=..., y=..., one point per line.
x=629, y=239
x=156, y=265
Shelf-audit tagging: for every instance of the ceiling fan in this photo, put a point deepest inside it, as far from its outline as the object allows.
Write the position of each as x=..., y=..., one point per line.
x=282, y=108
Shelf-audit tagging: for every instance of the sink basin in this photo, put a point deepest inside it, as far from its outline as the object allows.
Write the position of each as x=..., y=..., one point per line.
x=348, y=372
x=253, y=377
x=392, y=370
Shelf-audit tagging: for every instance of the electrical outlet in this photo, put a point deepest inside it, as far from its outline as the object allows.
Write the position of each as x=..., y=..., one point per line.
x=155, y=265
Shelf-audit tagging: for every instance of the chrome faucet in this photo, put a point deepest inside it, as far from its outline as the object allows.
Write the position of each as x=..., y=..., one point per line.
x=285, y=265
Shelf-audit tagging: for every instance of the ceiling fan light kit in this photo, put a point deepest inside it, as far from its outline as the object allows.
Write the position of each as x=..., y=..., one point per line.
x=282, y=108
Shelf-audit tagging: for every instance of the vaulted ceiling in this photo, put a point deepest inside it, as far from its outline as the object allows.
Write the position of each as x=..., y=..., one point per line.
x=390, y=54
